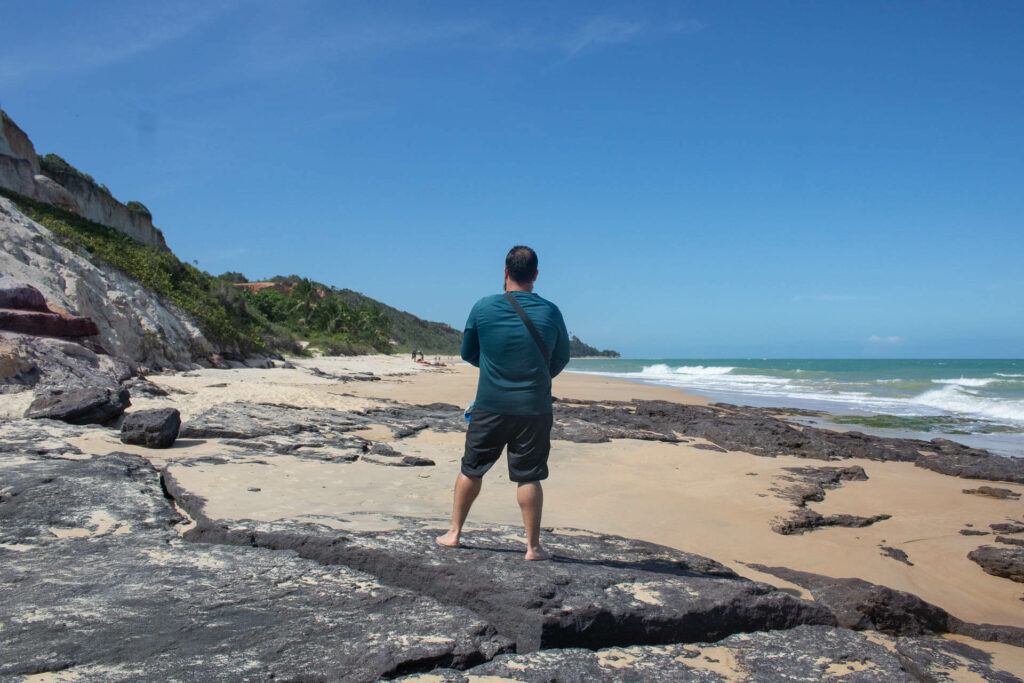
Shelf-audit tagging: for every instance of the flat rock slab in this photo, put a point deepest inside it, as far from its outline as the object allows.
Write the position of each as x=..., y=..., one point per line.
x=39, y=437
x=805, y=653
x=96, y=582
x=599, y=591
x=245, y=420
x=319, y=433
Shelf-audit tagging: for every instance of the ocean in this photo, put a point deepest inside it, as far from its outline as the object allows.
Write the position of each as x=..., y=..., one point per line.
x=977, y=402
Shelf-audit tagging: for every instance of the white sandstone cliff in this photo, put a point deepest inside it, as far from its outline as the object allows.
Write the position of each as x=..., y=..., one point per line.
x=20, y=172
x=134, y=322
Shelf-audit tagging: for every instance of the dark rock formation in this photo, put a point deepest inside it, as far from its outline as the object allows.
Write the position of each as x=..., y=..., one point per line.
x=1004, y=528
x=861, y=605
x=1010, y=541
x=91, y=405
x=242, y=420
x=805, y=653
x=144, y=387
x=759, y=431
x=973, y=532
x=805, y=484
x=381, y=448
x=355, y=377
x=38, y=437
x=938, y=659
x=97, y=582
x=810, y=483
x=393, y=458
x=599, y=591
x=994, y=492
x=402, y=461
x=805, y=519
x=896, y=554
x=1005, y=562
x=406, y=420
x=151, y=428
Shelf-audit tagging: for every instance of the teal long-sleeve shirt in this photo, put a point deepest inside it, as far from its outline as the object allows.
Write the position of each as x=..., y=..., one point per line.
x=513, y=379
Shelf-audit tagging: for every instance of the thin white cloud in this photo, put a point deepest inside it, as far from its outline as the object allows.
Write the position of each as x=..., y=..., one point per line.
x=602, y=31
x=834, y=298
x=74, y=47
x=877, y=339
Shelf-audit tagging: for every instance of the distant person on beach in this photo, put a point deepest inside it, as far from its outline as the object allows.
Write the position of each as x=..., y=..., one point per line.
x=513, y=397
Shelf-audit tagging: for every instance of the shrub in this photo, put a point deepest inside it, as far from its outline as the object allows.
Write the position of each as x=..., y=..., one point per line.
x=51, y=163
x=138, y=207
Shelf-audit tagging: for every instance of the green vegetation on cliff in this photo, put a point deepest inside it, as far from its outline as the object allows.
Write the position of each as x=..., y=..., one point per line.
x=230, y=318
x=577, y=349
x=412, y=333
x=159, y=270
x=52, y=164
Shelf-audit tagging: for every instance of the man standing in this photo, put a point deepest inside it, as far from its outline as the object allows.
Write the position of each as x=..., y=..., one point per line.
x=513, y=397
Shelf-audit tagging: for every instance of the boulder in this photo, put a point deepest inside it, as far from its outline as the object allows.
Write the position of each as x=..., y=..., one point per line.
x=156, y=428
x=91, y=405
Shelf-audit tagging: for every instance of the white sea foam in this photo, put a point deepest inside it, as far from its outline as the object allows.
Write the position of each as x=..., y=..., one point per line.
x=956, y=399
x=1010, y=374
x=967, y=381
x=963, y=396
x=662, y=370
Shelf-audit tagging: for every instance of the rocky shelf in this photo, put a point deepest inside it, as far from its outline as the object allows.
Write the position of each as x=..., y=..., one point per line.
x=112, y=571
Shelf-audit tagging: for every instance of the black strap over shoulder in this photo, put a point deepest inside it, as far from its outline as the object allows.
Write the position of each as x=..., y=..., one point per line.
x=529, y=326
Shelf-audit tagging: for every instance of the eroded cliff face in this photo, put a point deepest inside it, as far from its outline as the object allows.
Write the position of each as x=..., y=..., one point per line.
x=134, y=323
x=20, y=172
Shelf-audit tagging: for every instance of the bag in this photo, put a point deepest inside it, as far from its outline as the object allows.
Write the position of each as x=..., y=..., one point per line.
x=533, y=330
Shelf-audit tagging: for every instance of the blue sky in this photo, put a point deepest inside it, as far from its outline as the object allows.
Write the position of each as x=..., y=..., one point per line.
x=700, y=179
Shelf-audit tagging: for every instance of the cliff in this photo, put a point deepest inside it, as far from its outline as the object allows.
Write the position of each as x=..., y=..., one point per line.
x=134, y=322
x=21, y=172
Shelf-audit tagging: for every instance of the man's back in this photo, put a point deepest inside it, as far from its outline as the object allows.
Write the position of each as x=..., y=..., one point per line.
x=513, y=379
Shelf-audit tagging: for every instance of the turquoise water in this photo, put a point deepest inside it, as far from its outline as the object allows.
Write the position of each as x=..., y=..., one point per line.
x=983, y=399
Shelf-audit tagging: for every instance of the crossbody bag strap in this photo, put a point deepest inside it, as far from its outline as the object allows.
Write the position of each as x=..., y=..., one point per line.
x=529, y=326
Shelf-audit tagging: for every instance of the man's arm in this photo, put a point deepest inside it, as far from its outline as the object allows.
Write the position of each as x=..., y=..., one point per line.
x=471, y=341
x=560, y=355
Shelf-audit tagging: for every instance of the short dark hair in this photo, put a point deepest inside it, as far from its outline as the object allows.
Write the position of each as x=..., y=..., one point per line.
x=521, y=264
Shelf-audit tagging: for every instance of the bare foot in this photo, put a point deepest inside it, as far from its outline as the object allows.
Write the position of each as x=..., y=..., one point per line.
x=450, y=540
x=538, y=553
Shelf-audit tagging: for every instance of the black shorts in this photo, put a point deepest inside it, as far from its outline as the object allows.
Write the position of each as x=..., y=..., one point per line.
x=528, y=438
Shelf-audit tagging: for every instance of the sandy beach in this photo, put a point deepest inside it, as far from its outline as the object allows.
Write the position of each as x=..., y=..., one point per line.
x=717, y=504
